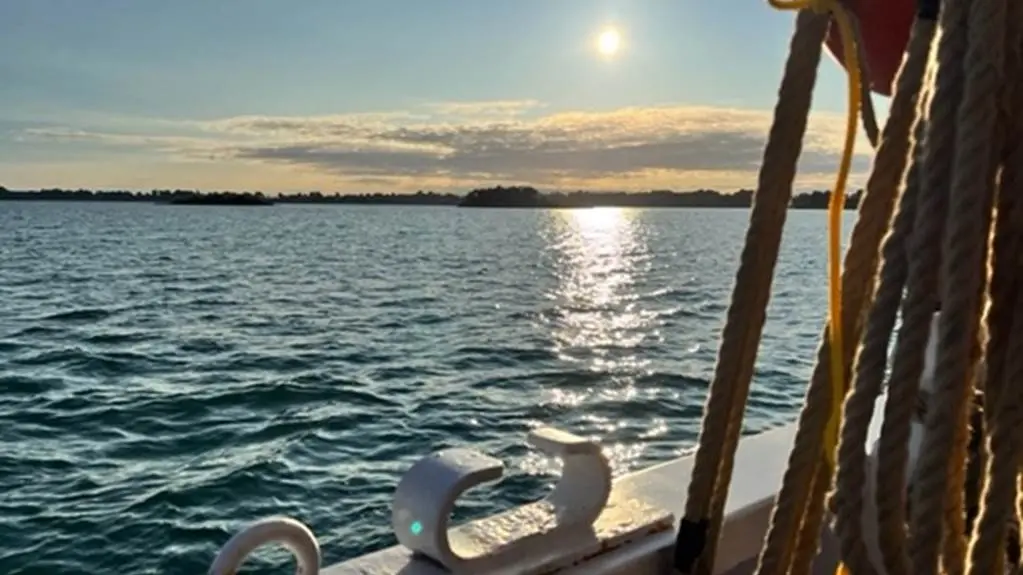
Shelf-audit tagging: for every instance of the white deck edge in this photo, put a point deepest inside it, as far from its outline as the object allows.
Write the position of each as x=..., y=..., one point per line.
x=759, y=467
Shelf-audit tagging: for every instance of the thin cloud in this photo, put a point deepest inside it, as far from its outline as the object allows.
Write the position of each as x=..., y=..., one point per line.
x=60, y=134
x=465, y=143
x=487, y=109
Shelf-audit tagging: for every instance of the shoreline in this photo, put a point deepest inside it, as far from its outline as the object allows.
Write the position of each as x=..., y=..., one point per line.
x=498, y=197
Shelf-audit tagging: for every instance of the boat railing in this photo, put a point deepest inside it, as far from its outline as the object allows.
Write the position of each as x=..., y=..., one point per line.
x=588, y=524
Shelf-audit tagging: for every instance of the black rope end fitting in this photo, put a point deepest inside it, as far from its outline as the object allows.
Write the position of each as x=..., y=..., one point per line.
x=928, y=9
x=690, y=542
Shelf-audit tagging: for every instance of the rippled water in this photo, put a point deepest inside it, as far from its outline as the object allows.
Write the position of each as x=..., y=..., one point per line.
x=168, y=373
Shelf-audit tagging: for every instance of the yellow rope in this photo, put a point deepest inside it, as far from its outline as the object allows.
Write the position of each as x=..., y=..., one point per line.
x=835, y=208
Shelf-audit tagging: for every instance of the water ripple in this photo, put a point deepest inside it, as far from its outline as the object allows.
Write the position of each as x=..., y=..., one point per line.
x=168, y=374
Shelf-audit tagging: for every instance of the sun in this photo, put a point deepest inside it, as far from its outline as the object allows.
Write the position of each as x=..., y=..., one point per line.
x=609, y=42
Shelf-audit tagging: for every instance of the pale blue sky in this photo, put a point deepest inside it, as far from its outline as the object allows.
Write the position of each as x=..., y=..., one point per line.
x=375, y=94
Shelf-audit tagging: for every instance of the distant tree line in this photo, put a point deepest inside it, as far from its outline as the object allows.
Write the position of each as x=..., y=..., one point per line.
x=525, y=196
x=421, y=198
x=58, y=194
x=499, y=196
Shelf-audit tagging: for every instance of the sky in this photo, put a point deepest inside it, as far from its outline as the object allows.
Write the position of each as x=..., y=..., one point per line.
x=360, y=96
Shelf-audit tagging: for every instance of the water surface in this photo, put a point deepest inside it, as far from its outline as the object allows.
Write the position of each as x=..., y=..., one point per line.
x=168, y=373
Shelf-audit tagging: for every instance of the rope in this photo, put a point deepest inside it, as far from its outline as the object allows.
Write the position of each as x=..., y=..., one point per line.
x=867, y=113
x=887, y=174
x=873, y=355
x=698, y=531
x=970, y=437
x=1004, y=320
x=963, y=274
x=1004, y=242
x=1012, y=187
x=792, y=537
x=967, y=455
x=836, y=204
x=921, y=284
x=937, y=239
x=952, y=520
x=697, y=534
x=987, y=547
x=794, y=515
x=851, y=52
x=808, y=537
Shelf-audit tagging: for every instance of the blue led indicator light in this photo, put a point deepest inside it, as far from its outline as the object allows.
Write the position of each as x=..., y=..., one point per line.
x=416, y=528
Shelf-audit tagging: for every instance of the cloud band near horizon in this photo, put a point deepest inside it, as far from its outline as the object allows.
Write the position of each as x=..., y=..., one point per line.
x=442, y=146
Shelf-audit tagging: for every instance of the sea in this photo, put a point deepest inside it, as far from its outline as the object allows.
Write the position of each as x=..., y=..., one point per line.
x=170, y=373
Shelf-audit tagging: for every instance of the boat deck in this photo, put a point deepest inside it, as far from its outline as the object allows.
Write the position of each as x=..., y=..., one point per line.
x=760, y=464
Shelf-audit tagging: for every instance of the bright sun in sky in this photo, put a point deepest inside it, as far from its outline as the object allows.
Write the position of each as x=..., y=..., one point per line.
x=608, y=42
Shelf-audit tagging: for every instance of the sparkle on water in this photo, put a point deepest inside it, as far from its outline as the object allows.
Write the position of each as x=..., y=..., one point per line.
x=168, y=375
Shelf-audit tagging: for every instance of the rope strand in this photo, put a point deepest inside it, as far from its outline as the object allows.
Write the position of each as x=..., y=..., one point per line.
x=885, y=177
x=962, y=273
x=708, y=487
x=1004, y=320
x=954, y=118
x=924, y=252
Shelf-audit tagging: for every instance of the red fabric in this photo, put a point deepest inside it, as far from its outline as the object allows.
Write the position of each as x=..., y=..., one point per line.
x=884, y=25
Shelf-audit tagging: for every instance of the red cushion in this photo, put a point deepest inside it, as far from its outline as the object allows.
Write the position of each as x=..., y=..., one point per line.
x=884, y=25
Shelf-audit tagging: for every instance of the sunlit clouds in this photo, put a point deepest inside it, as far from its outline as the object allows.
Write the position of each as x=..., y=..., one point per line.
x=442, y=146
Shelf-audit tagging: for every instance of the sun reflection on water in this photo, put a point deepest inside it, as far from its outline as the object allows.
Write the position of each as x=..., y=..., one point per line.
x=596, y=323
x=599, y=324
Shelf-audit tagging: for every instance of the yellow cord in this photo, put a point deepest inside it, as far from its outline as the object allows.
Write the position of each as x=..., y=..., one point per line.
x=835, y=208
